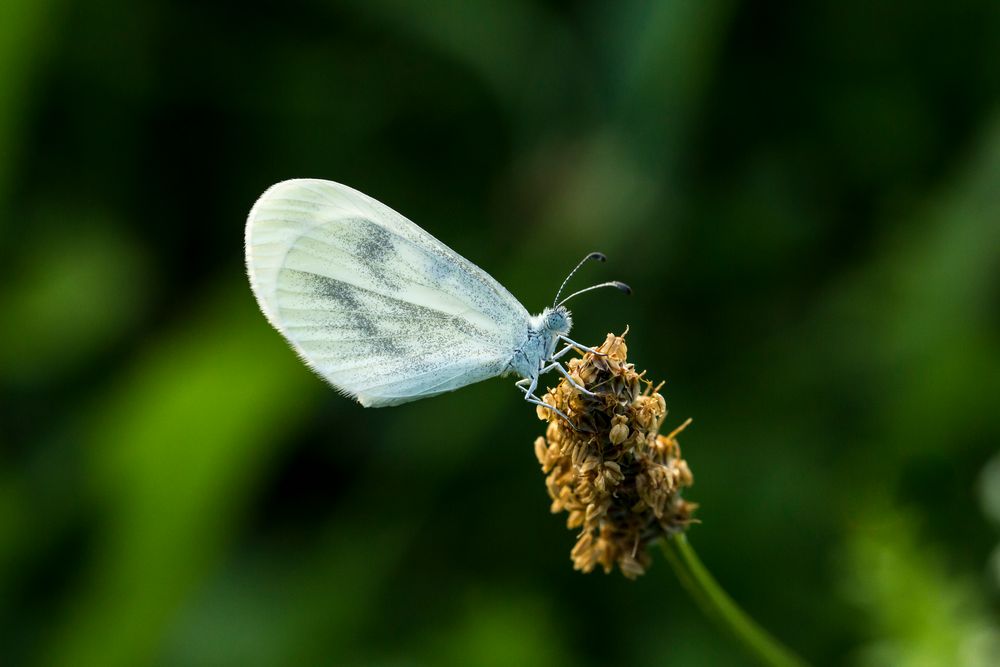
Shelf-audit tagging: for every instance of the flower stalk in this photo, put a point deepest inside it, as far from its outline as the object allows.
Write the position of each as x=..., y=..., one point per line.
x=620, y=483
x=718, y=606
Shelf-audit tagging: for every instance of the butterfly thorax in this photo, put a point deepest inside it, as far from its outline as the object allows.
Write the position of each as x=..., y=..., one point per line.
x=543, y=334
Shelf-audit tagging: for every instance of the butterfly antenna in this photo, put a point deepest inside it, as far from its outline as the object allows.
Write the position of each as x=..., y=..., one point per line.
x=614, y=283
x=599, y=256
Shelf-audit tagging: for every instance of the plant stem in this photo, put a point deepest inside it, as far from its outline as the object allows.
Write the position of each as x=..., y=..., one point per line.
x=718, y=606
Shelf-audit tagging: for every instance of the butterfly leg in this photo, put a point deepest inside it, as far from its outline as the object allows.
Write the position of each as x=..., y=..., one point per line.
x=529, y=396
x=572, y=344
x=562, y=353
x=556, y=366
x=535, y=401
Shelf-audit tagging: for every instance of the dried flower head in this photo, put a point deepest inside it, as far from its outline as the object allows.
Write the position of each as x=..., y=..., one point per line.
x=616, y=477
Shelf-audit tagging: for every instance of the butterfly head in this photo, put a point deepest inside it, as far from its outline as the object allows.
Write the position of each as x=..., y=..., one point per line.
x=546, y=328
x=557, y=321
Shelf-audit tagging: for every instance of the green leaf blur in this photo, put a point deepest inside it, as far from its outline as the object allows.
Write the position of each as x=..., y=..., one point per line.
x=804, y=198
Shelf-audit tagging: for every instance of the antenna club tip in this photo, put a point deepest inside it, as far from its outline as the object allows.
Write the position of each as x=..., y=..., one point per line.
x=623, y=287
x=599, y=256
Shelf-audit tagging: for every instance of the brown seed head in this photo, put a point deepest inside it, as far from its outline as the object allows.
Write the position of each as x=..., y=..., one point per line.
x=616, y=477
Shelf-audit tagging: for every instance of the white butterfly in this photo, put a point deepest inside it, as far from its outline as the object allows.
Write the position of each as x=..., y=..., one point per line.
x=381, y=309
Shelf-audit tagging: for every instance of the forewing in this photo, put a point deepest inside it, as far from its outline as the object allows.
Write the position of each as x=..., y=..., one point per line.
x=377, y=306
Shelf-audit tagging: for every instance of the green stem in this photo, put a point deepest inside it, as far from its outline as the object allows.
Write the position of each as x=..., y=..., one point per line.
x=718, y=606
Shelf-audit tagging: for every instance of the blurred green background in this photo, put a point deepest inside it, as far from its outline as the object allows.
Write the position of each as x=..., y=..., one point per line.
x=805, y=198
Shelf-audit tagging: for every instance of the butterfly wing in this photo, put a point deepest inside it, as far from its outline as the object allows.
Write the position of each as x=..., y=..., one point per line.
x=377, y=306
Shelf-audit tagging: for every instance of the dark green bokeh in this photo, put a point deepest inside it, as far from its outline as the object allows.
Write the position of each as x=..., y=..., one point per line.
x=805, y=199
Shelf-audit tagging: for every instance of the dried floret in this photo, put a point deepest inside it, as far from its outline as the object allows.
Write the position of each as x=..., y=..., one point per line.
x=616, y=477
